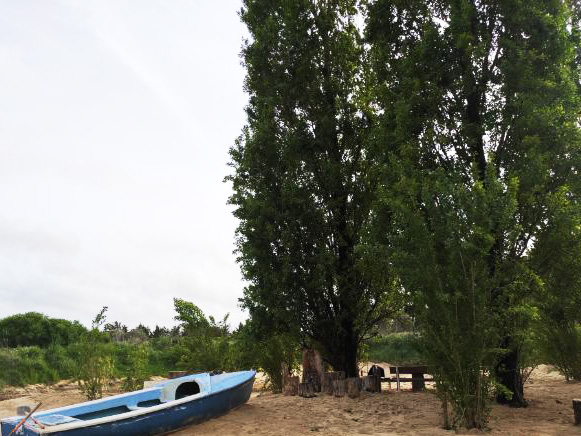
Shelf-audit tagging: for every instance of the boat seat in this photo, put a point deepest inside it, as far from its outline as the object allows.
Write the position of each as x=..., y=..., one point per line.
x=55, y=419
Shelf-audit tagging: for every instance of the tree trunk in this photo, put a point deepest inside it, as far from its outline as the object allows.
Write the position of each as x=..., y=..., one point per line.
x=306, y=390
x=577, y=411
x=508, y=374
x=291, y=387
x=312, y=368
x=344, y=356
x=339, y=388
x=353, y=387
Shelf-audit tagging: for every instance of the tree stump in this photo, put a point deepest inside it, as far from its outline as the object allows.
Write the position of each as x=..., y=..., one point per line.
x=306, y=390
x=328, y=379
x=577, y=411
x=291, y=387
x=353, y=387
x=372, y=383
x=327, y=383
x=339, y=387
x=312, y=368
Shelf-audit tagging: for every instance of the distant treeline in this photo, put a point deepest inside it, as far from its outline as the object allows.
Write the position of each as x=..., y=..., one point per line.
x=36, y=329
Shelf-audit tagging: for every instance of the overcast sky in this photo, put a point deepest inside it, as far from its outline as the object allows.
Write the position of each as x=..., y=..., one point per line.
x=115, y=121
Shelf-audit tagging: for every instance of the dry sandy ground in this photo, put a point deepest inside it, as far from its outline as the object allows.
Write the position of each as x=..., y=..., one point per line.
x=388, y=413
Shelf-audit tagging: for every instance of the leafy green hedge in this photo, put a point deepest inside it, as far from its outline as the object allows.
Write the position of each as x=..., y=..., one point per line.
x=25, y=365
x=29, y=365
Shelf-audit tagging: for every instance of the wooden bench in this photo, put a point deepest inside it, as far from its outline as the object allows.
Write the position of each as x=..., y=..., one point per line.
x=417, y=376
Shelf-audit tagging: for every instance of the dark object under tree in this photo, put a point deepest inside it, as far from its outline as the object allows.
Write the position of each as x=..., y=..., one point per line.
x=577, y=411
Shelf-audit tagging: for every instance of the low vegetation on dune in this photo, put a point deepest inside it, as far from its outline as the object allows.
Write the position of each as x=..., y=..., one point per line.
x=95, y=356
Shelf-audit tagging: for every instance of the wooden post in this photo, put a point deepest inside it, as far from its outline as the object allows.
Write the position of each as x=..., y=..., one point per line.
x=372, y=383
x=577, y=411
x=339, y=387
x=327, y=383
x=306, y=390
x=418, y=383
x=447, y=425
x=353, y=387
x=292, y=386
x=328, y=379
x=397, y=378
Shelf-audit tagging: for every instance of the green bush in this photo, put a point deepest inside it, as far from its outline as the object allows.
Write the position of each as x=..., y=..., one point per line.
x=562, y=348
x=252, y=348
x=60, y=359
x=25, y=365
x=137, y=371
x=34, y=328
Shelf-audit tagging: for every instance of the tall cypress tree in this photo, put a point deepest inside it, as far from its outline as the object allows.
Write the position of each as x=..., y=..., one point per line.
x=480, y=99
x=303, y=182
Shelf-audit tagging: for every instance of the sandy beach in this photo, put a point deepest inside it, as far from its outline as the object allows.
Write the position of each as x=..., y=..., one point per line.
x=388, y=413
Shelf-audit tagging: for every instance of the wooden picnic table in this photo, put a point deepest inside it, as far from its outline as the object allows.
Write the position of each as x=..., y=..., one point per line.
x=417, y=378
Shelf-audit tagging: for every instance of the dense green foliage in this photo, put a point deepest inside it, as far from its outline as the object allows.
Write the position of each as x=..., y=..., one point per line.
x=429, y=153
x=36, y=329
x=256, y=347
x=303, y=183
x=480, y=111
x=557, y=257
x=29, y=365
x=112, y=351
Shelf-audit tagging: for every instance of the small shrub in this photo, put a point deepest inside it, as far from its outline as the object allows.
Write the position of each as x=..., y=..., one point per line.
x=95, y=363
x=137, y=371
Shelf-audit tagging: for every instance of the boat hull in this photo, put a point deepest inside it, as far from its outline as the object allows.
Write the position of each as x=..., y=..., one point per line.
x=160, y=421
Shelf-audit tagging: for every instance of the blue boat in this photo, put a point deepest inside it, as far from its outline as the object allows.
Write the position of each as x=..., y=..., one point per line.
x=160, y=409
